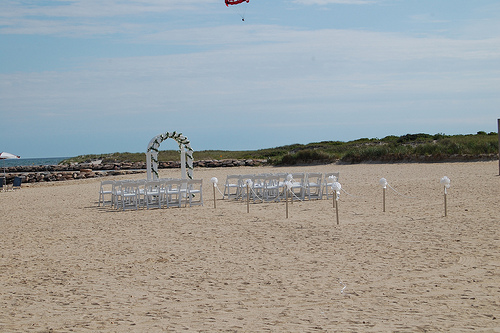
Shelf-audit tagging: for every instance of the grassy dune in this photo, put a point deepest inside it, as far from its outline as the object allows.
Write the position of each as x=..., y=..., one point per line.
x=409, y=147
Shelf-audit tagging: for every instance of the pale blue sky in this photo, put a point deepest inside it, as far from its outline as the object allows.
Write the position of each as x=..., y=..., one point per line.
x=93, y=76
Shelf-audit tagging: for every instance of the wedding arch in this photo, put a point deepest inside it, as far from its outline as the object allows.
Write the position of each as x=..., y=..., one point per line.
x=185, y=150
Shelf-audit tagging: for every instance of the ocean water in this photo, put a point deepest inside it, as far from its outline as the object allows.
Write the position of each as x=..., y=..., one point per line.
x=31, y=161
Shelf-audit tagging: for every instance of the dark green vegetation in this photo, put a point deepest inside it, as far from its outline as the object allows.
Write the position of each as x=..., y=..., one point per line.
x=409, y=147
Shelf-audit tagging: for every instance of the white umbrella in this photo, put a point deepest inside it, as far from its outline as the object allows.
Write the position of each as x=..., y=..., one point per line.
x=5, y=156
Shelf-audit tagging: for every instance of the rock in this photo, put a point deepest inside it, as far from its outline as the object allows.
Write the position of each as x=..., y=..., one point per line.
x=43, y=173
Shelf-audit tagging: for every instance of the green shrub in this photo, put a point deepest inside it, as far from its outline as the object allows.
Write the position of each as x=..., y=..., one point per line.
x=414, y=137
x=427, y=149
x=306, y=156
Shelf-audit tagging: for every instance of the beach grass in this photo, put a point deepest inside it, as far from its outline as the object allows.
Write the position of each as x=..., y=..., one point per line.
x=409, y=147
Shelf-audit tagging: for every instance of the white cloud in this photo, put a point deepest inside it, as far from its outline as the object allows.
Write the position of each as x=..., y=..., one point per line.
x=349, y=45
x=94, y=8
x=85, y=17
x=289, y=70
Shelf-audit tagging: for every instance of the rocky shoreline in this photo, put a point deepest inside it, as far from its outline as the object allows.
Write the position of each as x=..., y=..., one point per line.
x=50, y=173
x=95, y=169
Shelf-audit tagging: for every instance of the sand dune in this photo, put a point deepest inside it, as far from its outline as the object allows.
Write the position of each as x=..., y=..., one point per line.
x=68, y=265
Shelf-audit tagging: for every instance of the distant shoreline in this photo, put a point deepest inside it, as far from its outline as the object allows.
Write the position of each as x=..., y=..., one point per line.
x=32, y=161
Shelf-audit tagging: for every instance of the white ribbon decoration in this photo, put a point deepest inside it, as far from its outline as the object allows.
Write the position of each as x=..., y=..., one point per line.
x=343, y=285
x=214, y=181
x=445, y=181
x=249, y=184
x=336, y=187
x=288, y=184
x=383, y=182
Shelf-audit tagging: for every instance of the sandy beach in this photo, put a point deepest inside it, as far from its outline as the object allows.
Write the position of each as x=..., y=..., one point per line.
x=67, y=265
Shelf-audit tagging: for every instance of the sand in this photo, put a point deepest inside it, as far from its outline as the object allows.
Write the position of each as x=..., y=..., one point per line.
x=68, y=265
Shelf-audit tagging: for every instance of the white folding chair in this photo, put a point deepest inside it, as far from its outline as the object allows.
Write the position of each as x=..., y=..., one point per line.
x=173, y=193
x=328, y=180
x=105, y=190
x=141, y=184
x=272, y=188
x=257, y=190
x=314, y=184
x=298, y=185
x=242, y=185
x=281, y=183
x=153, y=193
x=195, y=192
x=232, y=188
x=129, y=195
x=116, y=192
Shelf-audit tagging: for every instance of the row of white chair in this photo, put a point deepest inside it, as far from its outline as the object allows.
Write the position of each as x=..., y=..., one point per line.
x=271, y=187
x=128, y=194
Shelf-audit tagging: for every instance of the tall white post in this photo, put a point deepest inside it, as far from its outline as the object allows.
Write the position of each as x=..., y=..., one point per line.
x=148, y=165
x=183, y=162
